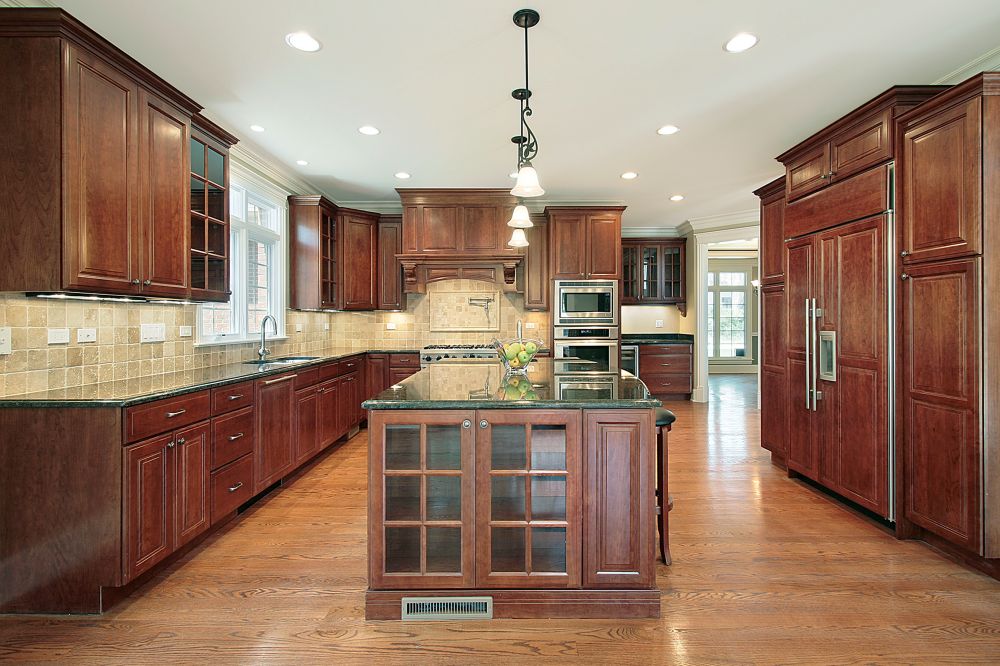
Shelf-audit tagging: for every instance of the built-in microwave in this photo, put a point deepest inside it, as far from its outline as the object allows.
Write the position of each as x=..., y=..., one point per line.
x=586, y=302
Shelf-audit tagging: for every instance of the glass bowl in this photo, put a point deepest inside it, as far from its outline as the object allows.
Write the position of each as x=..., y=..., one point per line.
x=517, y=353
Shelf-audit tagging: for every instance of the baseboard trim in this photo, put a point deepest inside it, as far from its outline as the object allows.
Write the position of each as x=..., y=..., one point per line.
x=512, y=604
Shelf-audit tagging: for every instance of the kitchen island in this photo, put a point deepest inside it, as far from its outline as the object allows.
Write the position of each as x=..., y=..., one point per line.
x=530, y=496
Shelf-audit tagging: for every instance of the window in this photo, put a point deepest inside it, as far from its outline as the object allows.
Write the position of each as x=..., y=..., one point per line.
x=258, y=215
x=728, y=306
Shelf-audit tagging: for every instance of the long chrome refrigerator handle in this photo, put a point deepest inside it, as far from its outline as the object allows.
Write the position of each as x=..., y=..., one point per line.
x=815, y=356
x=808, y=363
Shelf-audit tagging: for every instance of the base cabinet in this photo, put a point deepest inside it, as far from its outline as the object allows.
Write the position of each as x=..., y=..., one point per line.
x=276, y=410
x=510, y=499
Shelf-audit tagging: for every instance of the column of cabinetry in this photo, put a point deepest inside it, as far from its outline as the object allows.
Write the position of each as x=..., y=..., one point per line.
x=947, y=275
x=390, y=274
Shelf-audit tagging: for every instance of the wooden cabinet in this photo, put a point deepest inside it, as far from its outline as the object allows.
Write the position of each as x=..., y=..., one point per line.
x=858, y=141
x=274, y=454
x=100, y=178
x=940, y=183
x=772, y=231
x=618, y=528
x=376, y=374
x=402, y=366
x=800, y=288
x=772, y=371
x=654, y=272
x=307, y=424
x=667, y=370
x=390, y=273
x=334, y=255
x=584, y=242
x=209, y=195
x=330, y=426
x=166, y=502
x=537, y=285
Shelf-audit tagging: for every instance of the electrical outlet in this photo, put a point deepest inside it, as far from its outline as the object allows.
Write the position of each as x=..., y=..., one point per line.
x=298, y=328
x=530, y=325
x=326, y=327
x=4, y=339
x=58, y=336
x=184, y=332
x=658, y=323
x=152, y=332
x=86, y=335
x=390, y=326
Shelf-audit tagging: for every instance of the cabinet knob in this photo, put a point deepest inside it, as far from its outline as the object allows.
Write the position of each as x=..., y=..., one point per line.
x=171, y=445
x=147, y=282
x=135, y=281
x=904, y=253
x=180, y=441
x=484, y=424
x=466, y=423
x=904, y=276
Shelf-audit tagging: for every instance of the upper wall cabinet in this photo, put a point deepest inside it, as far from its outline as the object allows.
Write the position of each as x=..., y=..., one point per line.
x=333, y=255
x=210, y=146
x=653, y=272
x=585, y=242
x=772, y=231
x=390, y=274
x=95, y=184
x=859, y=140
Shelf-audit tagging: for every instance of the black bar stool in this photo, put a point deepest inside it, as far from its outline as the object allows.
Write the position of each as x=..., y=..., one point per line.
x=664, y=419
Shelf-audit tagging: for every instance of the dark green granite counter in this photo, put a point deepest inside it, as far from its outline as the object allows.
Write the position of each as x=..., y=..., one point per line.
x=657, y=338
x=481, y=385
x=128, y=392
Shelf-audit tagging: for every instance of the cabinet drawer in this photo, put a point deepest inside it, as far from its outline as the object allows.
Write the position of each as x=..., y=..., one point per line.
x=163, y=415
x=232, y=397
x=404, y=360
x=349, y=365
x=665, y=349
x=658, y=364
x=232, y=436
x=231, y=486
x=661, y=384
x=307, y=377
x=329, y=371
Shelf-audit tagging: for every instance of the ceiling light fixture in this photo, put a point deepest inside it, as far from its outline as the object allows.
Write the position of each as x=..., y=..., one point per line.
x=402, y=175
x=256, y=128
x=302, y=162
x=527, y=145
x=518, y=239
x=368, y=130
x=302, y=41
x=668, y=129
x=741, y=42
x=677, y=197
x=630, y=175
x=513, y=174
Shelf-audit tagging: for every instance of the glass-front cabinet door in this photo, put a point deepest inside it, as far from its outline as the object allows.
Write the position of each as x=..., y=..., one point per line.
x=420, y=523
x=527, y=498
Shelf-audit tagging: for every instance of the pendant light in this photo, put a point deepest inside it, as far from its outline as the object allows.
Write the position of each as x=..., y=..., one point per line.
x=520, y=219
x=527, y=146
x=518, y=239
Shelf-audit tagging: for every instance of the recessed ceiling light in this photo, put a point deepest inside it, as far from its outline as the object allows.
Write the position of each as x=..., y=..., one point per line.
x=302, y=41
x=741, y=42
x=402, y=175
x=301, y=162
x=257, y=128
x=668, y=129
x=368, y=130
x=630, y=175
x=677, y=197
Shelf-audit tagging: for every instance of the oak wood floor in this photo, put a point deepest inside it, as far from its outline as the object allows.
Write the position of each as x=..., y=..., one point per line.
x=766, y=570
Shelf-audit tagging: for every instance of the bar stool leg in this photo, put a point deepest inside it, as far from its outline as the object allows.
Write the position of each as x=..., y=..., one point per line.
x=662, y=496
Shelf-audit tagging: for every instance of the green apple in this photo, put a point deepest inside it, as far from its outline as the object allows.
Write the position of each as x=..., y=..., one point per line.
x=512, y=393
x=510, y=352
x=524, y=357
x=530, y=347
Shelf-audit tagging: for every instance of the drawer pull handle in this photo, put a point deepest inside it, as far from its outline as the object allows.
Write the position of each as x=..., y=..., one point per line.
x=236, y=396
x=665, y=364
x=233, y=489
x=171, y=415
x=268, y=382
x=233, y=438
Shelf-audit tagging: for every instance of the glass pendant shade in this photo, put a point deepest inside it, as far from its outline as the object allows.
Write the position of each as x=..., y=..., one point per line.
x=527, y=183
x=518, y=239
x=520, y=219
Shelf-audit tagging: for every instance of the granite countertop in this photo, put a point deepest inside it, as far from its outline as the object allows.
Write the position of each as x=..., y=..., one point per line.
x=550, y=384
x=657, y=338
x=128, y=392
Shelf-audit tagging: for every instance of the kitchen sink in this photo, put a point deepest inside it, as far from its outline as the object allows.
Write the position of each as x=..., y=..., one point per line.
x=282, y=361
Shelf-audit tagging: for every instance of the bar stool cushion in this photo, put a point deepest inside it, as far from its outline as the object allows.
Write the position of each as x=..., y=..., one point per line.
x=664, y=417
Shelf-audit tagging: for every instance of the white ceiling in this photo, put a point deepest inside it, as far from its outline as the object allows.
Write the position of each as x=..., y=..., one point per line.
x=435, y=77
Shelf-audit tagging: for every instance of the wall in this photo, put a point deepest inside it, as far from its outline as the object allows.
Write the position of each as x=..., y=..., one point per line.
x=642, y=319
x=117, y=354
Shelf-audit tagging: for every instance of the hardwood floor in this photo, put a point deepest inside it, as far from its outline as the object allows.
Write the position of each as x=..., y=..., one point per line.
x=765, y=570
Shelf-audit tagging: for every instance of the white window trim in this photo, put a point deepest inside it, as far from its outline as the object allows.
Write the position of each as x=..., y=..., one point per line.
x=732, y=266
x=272, y=194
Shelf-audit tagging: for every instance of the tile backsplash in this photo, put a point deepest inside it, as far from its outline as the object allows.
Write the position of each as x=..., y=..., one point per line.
x=35, y=365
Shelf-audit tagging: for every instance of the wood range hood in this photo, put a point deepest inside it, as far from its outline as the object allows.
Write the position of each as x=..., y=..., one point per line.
x=457, y=234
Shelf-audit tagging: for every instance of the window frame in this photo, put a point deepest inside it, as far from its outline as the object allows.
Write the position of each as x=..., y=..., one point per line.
x=252, y=189
x=714, y=288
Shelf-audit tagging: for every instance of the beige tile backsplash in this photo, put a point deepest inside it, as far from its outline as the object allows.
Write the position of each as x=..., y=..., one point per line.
x=35, y=365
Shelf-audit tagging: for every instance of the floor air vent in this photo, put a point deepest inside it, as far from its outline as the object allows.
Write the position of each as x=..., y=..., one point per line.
x=447, y=608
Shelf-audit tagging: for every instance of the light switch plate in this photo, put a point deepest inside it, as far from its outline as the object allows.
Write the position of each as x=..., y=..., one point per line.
x=390, y=326
x=326, y=327
x=58, y=336
x=658, y=323
x=530, y=325
x=298, y=328
x=152, y=332
x=184, y=332
x=86, y=335
x=4, y=339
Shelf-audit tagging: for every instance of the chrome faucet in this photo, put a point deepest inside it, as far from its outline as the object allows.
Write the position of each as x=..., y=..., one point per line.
x=264, y=351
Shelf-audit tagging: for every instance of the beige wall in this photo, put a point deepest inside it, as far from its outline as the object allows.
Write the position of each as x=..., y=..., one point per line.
x=35, y=365
x=642, y=319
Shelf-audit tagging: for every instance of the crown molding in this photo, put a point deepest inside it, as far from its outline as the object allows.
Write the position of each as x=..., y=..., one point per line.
x=989, y=61
x=650, y=232
x=736, y=220
x=255, y=160
x=380, y=206
x=535, y=206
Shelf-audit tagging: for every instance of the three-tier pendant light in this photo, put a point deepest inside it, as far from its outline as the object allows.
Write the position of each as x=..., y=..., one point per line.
x=527, y=145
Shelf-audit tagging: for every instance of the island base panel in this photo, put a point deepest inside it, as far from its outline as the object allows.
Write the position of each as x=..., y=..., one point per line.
x=520, y=604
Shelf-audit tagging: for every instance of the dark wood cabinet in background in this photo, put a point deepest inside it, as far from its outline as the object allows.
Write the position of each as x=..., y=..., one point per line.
x=537, y=284
x=97, y=168
x=390, y=273
x=307, y=423
x=585, y=242
x=654, y=272
x=276, y=428
x=772, y=231
x=358, y=243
